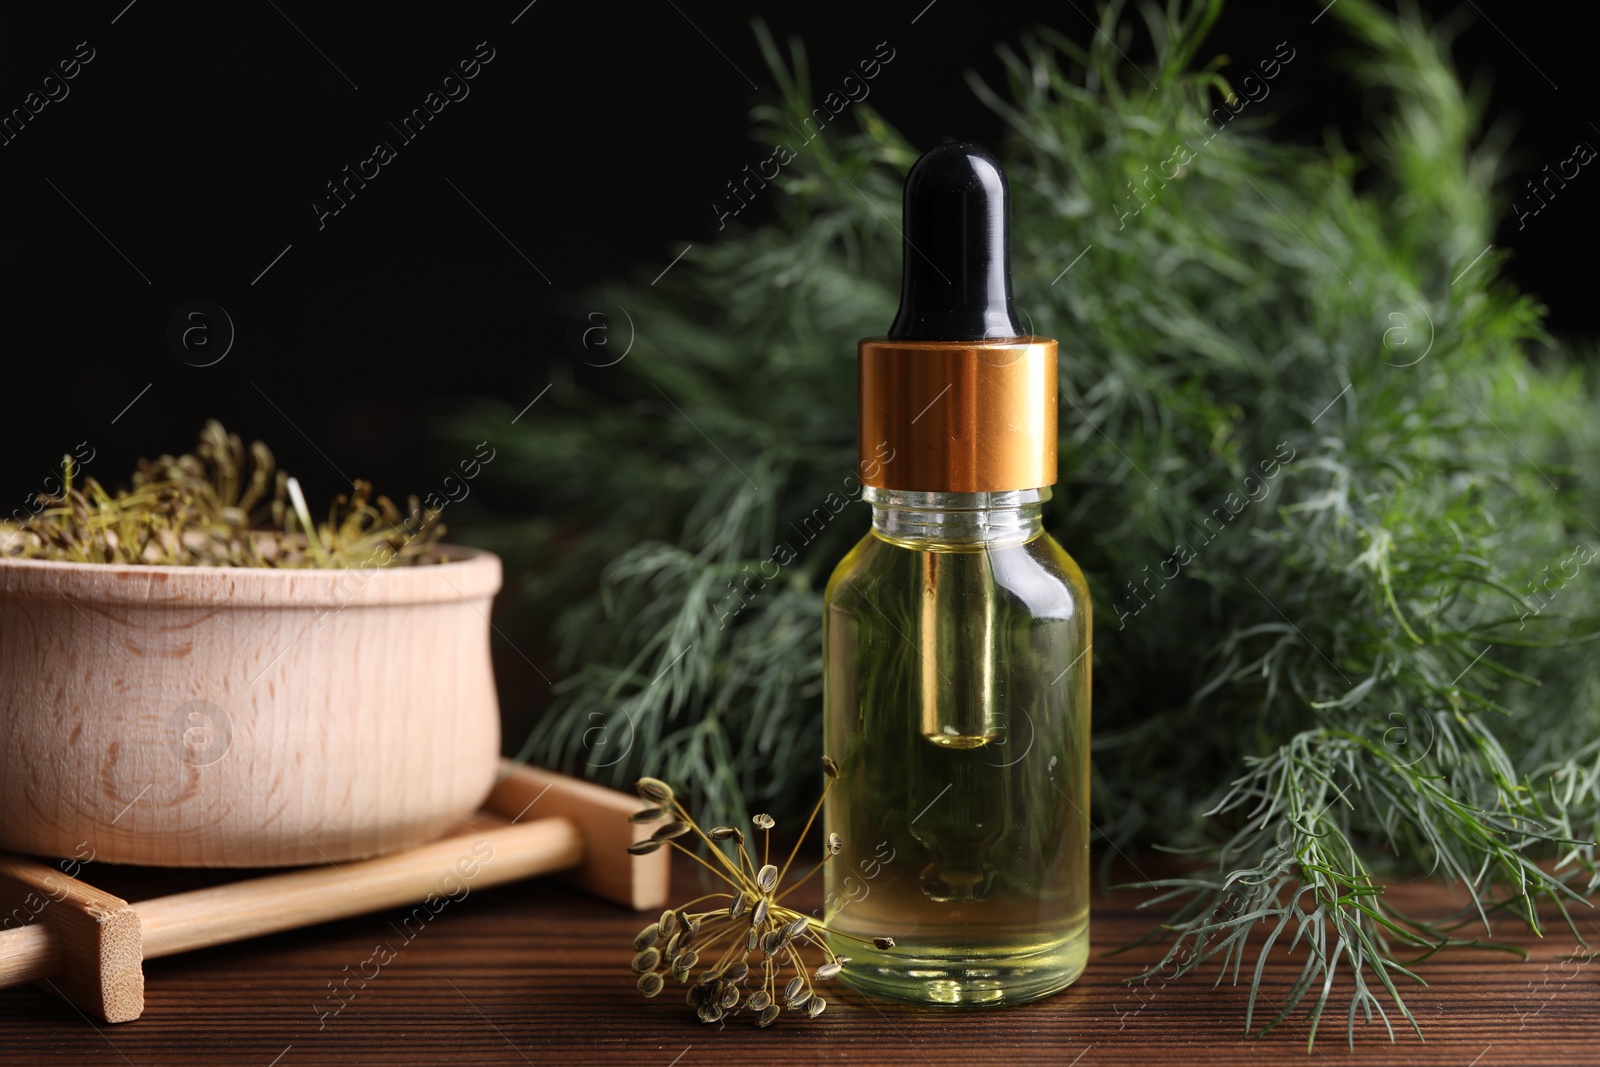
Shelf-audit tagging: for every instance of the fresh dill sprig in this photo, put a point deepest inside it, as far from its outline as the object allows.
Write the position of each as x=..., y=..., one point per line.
x=1370, y=661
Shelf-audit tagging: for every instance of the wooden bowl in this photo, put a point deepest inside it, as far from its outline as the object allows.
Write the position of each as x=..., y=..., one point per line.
x=243, y=717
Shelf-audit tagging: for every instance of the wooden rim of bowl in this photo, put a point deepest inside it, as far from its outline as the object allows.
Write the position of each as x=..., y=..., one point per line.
x=468, y=574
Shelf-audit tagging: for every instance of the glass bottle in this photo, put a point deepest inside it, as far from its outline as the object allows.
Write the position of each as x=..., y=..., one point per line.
x=957, y=636
x=956, y=652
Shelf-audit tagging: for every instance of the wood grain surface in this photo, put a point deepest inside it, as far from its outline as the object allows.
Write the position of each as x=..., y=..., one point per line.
x=536, y=973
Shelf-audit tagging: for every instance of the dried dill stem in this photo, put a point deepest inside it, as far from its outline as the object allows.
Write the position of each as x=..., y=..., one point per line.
x=746, y=938
x=219, y=506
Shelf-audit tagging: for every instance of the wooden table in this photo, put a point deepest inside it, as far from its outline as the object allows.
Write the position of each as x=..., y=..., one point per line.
x=537, y=974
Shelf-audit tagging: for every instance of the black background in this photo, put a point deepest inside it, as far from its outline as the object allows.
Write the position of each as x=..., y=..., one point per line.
x=595, y=142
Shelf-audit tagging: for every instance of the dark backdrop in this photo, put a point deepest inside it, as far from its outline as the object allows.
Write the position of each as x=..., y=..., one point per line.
x=182, y=160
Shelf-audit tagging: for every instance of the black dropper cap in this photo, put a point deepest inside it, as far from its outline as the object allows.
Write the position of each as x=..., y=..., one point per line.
x=956, y=276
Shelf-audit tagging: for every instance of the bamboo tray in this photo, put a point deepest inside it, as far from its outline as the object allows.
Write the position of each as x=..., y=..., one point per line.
x=88, y=946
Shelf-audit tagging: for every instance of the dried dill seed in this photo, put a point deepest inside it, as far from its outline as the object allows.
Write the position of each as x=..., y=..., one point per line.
x=883, y=942
x=643, y=848
x=729, y=982
x=830, y=768
x=815, y=1006
x=655, y=790
x=648, y=815
x=220, y=505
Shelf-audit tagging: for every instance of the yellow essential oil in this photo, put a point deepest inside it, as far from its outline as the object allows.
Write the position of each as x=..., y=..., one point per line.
x=957, y=708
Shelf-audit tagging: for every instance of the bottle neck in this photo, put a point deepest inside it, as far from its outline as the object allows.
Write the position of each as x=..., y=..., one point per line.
x=957, y=520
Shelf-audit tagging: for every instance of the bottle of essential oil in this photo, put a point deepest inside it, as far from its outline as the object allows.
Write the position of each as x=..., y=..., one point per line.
x=957, y=637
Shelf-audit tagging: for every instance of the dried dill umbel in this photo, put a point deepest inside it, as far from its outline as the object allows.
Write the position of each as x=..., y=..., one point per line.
x=740, y=949
x=220, y=506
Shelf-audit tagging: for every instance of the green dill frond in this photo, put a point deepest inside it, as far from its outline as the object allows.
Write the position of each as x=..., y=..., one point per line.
x=1339, y=521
